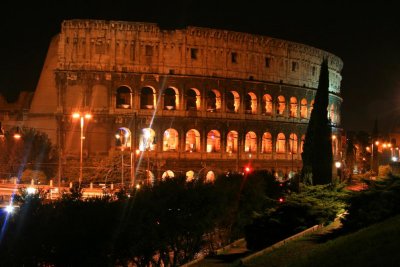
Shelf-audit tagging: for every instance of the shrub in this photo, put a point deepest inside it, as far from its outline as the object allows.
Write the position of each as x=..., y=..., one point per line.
x=299, y=211
x=380, y=201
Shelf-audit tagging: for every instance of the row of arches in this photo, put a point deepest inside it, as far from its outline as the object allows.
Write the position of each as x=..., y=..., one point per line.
x=216, y=143
x=214, y=101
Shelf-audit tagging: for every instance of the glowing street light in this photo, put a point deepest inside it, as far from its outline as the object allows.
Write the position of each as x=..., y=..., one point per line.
x=82, y=118
x=9, y=209
x=17, y=135
x=31, y=190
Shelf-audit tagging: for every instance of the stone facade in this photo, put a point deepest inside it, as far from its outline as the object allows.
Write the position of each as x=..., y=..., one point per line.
x=227, y=98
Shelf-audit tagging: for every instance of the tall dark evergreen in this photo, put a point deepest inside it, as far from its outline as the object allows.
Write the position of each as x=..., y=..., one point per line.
x=317, y=150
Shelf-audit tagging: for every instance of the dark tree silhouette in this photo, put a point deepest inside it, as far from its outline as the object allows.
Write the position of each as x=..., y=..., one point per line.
x=33, y=150
x=317, y=150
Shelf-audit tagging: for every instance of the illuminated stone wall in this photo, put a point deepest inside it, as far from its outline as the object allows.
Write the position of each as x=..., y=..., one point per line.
x=145, y=48
x=201, y=83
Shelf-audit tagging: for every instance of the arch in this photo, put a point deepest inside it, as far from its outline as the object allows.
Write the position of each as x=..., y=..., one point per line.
x=281, y=105
x=123, y=97
x=281, y=143
x=123, y=138
x=335, y=145
x=167, y=174
x=189, y=176
x=213, y=100
x=170, y=140
x=232, y=100
x=210, y=177
x=250, y=103
x=303, y=109
x=266, y=143
x=311, y=107
x=293, y=143
x=171, y=98
x=193, y=99
x=232, y=142
x=147, y=140
x=332, y=113
x=147, y=98
x=213, y=141
x=267, y=104
x=293, y=107
x=303, y=138
x=250, y=143
x=192, y=143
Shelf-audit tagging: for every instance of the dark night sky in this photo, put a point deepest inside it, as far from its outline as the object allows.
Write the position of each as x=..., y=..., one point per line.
x=366, y=35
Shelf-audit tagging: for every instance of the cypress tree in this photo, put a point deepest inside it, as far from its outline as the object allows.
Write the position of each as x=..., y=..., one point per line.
x=317, y=149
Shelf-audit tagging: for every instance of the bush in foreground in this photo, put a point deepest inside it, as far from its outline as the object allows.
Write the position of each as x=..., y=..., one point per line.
x=299, y=211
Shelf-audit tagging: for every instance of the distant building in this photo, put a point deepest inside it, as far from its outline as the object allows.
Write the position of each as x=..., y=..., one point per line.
x=193, y=100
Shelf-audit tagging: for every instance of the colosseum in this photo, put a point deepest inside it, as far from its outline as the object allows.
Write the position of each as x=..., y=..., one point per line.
x=194, y=101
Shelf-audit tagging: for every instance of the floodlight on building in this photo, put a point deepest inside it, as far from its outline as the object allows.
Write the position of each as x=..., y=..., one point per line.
x=31, y=190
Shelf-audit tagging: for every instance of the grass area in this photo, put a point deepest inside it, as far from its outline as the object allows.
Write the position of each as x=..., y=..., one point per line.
x=376, y=245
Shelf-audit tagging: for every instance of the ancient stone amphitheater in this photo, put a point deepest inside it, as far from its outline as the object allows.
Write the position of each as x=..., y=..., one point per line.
x=192, y=101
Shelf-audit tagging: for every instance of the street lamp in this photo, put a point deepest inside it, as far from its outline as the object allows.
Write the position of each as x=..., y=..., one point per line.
x=17, y=135
x=82, y=118
x=372, y=153
x=338, y=166
x=123, y=136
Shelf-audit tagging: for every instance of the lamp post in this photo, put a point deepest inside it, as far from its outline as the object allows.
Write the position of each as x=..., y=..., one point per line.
x=148, y=143
x=338, y=165
x=119, y=138
x=82, y=118
x=372, y=153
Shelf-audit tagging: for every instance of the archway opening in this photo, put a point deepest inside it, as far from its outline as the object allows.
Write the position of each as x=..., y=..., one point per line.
x=192, y=141
x=170, y=98
x=250, y=144
x=147, y=99
x=266, y=143
x=232, y=142
x=123, y=97
x=170, y=140
x=281, y=143
x=213, y=141
x=281, y=105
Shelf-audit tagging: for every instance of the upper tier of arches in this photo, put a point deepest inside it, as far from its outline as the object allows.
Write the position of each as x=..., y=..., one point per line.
x=251, y=102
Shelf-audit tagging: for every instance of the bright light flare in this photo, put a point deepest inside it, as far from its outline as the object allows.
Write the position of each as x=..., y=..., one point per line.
x=31, y=190
x=338, y=164
x=9, y=209
x=76, y=115
x=17, y=136
x=394, y=158
x=88, y=116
